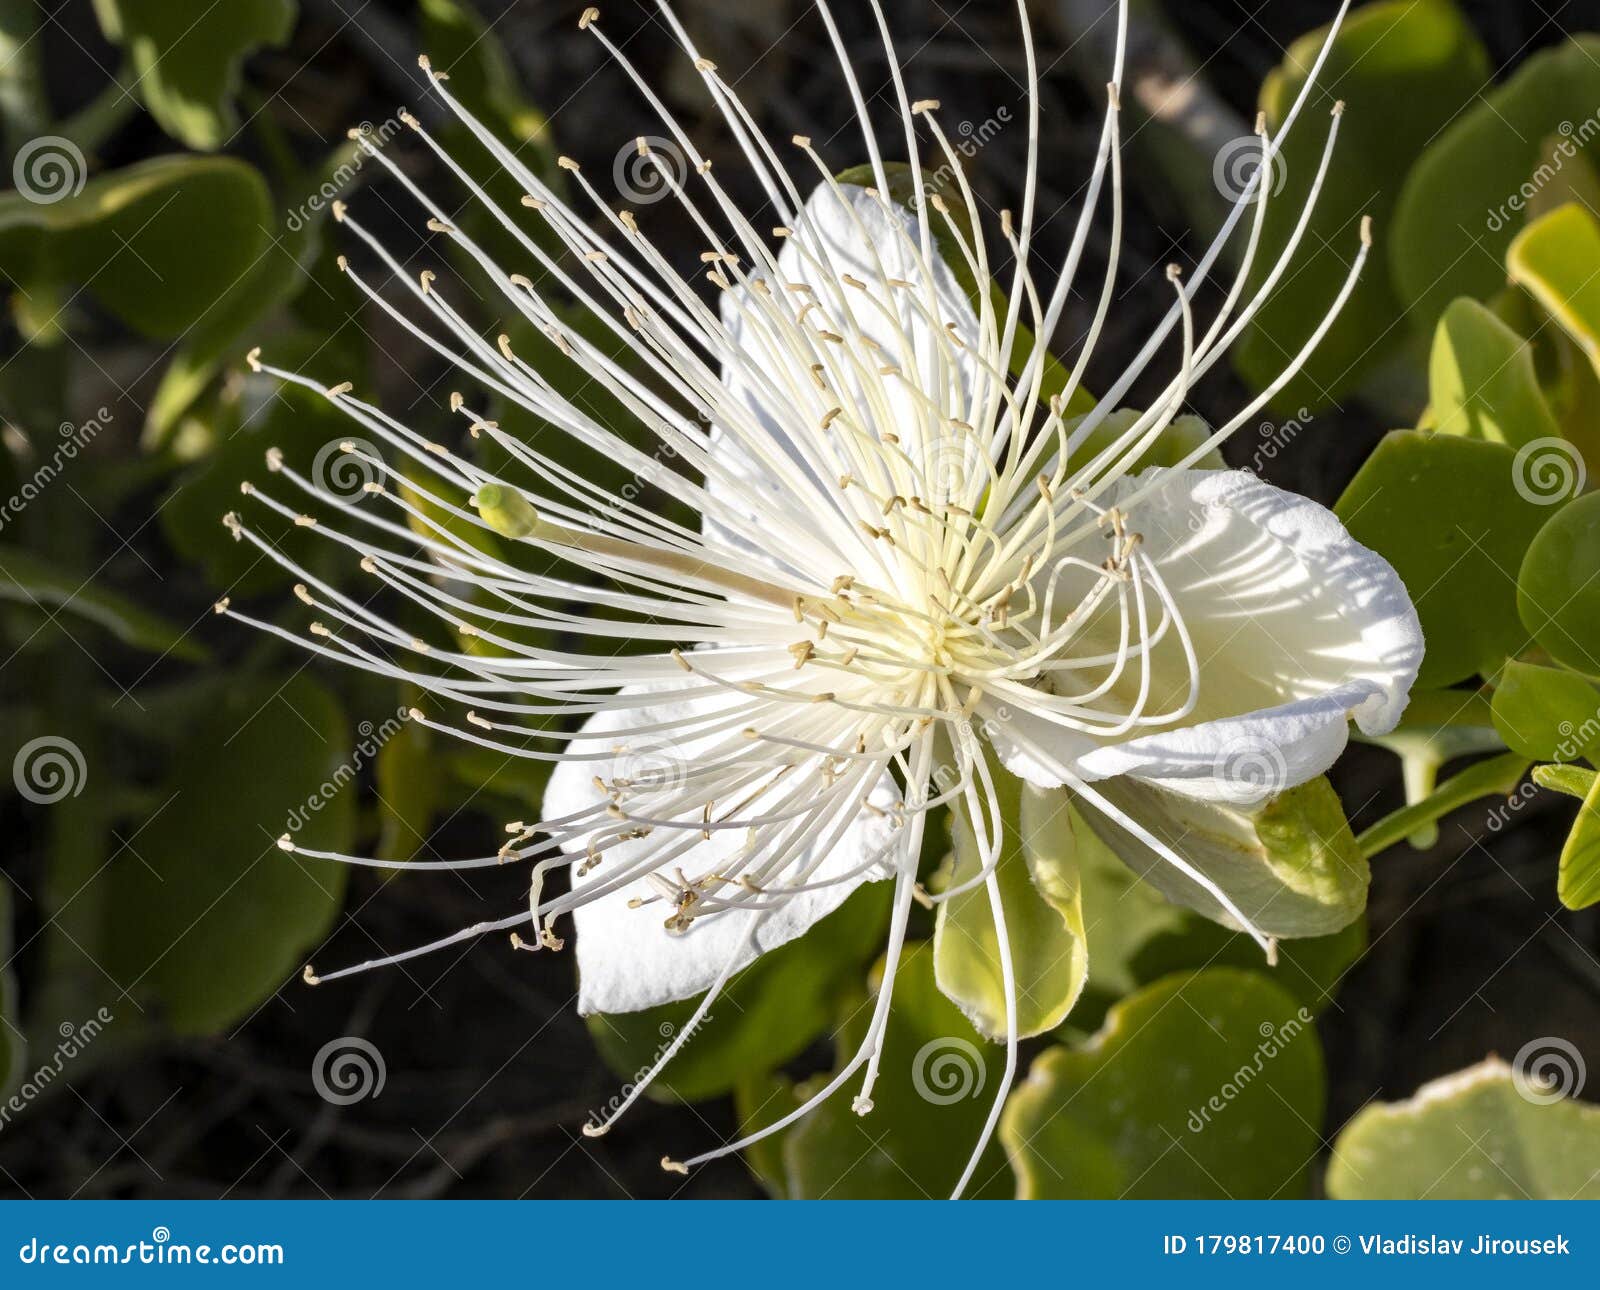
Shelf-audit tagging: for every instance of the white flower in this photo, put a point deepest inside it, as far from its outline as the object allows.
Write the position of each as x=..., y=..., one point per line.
x=904, y=548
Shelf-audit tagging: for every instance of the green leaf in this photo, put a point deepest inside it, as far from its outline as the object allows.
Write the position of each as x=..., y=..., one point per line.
x=1464, y=200
x=157, y=243
x=1481, y=380
x=767, y=1014
x=302, y=424
x=1574, y=781
x=1136, y=936
x=188, y=57
x=32, y=580
x=1453, y=516
x=1404, y=68
x=1557, y=260
x=481, y=75
x=1546, y=714
x=1043, y=908
x=1557, y=593
x=1201, y=1086
x=1291, y=865
x=224, y=331
x=937, y=1081
x=1474, y=1135
x=1578, y=885
x=208, y=916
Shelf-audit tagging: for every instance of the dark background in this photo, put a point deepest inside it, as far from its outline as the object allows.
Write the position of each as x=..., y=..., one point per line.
x=489, y=1071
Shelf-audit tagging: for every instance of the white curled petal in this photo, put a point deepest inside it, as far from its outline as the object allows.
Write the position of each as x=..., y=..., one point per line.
x=1297, y=629
x=627, y=960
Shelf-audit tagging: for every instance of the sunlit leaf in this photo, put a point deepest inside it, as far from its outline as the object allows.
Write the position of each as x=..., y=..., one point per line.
x=1578, y=885
x=1545, y=713
x=1557, y=593
x=1481, y=380
x=1042, y=907
x=1291, y=865
x=187, y=58
x=1449, y=515
x=1474, y=1135
x=1466, y=198
x=158, y=243
x=1136, y=936
x=1201, y=1086
x=1557, y=260
x=1403, y=68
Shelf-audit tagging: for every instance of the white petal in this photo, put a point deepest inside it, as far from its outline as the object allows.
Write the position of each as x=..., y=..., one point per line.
x=627, y=960
x=859, y=238
x=1297, y=628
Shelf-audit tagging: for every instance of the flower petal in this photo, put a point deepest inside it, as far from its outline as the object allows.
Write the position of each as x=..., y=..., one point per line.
x=857, y=239
x=1296, y=628
x=627, y=960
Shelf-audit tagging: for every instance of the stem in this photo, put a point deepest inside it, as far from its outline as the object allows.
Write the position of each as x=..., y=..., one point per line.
x=1497, y=777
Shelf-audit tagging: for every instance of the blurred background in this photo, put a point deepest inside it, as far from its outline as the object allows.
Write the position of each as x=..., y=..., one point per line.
x=174, y=166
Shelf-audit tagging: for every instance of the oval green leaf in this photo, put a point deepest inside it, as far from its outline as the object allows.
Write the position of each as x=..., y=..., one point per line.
x=1203, y=1086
